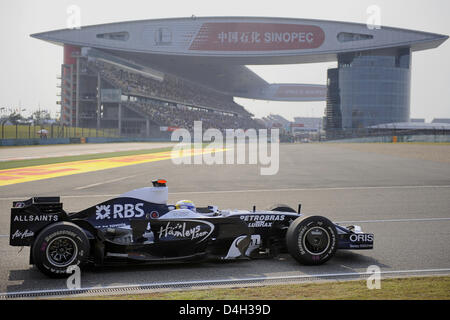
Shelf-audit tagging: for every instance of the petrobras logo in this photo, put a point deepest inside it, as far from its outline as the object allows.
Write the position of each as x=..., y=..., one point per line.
x=263, y=217
x=361, y=237
x=119, y=211
x=262, y=221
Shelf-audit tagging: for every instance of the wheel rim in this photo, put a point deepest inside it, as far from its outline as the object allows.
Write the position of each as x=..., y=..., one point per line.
x=316, y=241
x=61, y=251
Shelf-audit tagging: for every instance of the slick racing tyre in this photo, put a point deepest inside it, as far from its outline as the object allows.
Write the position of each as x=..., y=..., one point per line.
x=312, y=240
x=59, y=246
x=282, y=208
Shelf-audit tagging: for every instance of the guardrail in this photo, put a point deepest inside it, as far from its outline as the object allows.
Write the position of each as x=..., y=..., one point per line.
x=434, y=138
x=379, y=133
x=29, y=131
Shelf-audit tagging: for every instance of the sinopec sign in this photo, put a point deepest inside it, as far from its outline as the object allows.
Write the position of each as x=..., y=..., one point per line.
x=232, y=36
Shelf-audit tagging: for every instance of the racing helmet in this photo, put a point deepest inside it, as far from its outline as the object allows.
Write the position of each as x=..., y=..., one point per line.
x=185, y=204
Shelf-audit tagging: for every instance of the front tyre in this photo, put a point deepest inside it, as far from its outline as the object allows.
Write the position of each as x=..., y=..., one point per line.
x=312, y=240
x=59, y=246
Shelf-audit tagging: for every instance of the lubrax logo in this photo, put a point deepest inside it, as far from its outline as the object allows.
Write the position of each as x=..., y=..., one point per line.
x=361, y=237
x=263, y=220
x=119, y=211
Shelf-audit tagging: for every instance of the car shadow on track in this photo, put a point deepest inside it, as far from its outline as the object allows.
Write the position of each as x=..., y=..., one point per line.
x=344, y=262
x=32, y=279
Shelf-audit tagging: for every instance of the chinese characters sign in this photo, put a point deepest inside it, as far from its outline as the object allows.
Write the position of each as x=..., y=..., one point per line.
x=230, y=36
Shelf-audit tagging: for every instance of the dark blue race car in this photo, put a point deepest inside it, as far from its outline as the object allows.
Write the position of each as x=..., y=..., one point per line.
x=140, y=227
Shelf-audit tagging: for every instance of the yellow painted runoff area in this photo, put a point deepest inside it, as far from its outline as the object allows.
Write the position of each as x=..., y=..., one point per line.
x=26, y=174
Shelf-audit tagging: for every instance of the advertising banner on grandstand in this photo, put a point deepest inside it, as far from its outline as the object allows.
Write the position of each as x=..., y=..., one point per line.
x=170, y=129
x=294, y=91
x=252, y=36
x=302, y=124
x=288, y=92
x=111, y=95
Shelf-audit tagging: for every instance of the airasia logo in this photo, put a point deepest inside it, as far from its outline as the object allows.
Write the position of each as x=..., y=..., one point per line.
x=119, y=211
x=361, y=237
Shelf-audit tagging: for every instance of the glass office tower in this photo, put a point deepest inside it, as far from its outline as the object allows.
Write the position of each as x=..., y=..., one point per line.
x=368, y=88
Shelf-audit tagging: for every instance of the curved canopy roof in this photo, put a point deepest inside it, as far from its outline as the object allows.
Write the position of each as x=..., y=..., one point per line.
x=213, y=51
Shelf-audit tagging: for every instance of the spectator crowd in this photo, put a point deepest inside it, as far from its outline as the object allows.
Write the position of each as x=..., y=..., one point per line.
x=171, y=88
x=176, y=102
x=183, y=117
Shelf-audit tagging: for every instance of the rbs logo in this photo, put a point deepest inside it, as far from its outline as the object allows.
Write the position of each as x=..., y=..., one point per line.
x=119, y=211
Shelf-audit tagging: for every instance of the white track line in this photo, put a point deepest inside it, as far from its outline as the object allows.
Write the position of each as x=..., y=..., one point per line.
x=394, y=220
x=310, y=189
x=104, y=182
x=225, y=281
x=253, y=190
x=67, y=197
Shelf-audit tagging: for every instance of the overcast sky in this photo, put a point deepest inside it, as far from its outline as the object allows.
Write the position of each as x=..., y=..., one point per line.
x=29, y=67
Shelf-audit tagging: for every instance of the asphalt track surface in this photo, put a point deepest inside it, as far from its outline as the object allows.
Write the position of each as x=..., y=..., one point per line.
x=404, y=201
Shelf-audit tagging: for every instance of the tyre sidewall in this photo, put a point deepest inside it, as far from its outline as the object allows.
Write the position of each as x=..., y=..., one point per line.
x=297, y=232
x=62, y=229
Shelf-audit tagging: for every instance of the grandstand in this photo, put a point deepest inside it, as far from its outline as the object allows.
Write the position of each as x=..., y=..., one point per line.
x=276, y=121
x=139, y=75
x=140, y=102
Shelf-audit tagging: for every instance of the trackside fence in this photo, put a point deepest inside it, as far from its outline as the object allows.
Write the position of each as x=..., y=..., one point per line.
x=52, y=131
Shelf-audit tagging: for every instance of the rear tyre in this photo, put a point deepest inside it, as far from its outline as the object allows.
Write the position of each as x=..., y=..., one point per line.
x=312, y=240
x=59, y=246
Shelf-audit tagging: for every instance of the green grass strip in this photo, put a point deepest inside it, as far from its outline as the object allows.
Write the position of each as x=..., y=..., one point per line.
x=411, y=288
x=42, y=161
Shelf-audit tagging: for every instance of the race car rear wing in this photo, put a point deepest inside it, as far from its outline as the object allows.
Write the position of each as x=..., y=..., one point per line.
x=30, y=216
x=21, y=204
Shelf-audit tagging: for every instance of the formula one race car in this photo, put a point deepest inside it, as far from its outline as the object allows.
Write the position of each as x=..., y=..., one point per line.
x=139, y=226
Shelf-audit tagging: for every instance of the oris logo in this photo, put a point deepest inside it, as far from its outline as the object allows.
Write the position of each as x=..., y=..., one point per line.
x=119, y=211
x=361, y=238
